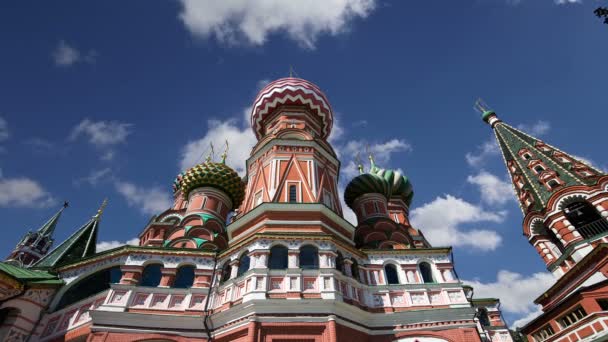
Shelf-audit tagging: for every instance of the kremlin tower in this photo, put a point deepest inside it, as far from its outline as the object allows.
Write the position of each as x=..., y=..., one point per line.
x=565, y=206
x=267, y=257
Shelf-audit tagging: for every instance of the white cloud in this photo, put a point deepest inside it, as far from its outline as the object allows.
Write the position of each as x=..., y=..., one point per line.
x=523, y=320
x=484, y=151
x=564, y=2
x=240, y=141
x=382, y=153
x=65, y=55
x=102, y=133
x=493, y=189
x=23, y=192
x=516, y=292
x=105, y=245
x=4, y=133
x=536, y=129
x=236, y=21
x=441, y=220
x=95, y=177
x=149, y=200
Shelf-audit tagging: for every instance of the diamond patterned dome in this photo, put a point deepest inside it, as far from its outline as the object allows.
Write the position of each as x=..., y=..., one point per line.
x=216, y=175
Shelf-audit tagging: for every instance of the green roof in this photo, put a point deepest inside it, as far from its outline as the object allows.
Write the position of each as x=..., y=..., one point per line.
x=79, y=245
x=29, y=276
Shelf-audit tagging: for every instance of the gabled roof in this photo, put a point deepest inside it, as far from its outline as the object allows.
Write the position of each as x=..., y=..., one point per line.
x=79, y=245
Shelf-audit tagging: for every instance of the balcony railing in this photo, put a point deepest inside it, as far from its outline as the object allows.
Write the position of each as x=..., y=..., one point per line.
x=594, y=228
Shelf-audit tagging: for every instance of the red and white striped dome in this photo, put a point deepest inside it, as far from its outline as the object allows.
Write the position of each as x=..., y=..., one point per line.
x=291, y=91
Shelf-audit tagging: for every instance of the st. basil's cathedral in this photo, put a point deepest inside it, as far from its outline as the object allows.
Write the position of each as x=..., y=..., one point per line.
x=270, y=257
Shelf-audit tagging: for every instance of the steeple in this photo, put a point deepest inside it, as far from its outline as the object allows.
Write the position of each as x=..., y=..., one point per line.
x=34, y=245
x=79, y=245
x=537, y=169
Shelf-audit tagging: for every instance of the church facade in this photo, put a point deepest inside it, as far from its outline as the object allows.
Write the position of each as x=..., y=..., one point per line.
x=565, y=205
x=266, y=257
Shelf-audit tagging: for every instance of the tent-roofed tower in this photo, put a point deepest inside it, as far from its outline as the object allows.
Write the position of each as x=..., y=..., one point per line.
x=34, y=245
x=565, y=205
x=80, y=245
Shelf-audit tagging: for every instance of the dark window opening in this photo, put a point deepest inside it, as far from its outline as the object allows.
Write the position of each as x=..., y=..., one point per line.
x=151, y=275
x=244, y=262
x=484, y=320
x=553, y=184
x=226, y=271
x=309, y=257
x=293, y=194
x=587, y=221
x=572, y=317
x=355, y=270
x=426, y=272
x=340, y=262
x=184, y=277
x=603, y=303
x=90, y=286
x=278, y=258
x=539, y=168
x=392, y=277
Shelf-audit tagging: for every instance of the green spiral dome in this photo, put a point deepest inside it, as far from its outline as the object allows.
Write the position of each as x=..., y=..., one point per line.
x=215, y=175
x=366, y=183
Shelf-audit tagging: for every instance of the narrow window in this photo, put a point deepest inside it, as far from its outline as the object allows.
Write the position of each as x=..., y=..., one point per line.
x=553, y=184
x=184, y=278
x=355, y=270
x=391, y=274
x=257, y=199
x=293, y=194
x=151, y=275
x=340, y=262
x=278, y=258
x=603, y=303
x=572, y=317
x=527, y=156
x=539, y=168
x=244, y=262
x=309, y=257
x=426, y=272
x=226, y=271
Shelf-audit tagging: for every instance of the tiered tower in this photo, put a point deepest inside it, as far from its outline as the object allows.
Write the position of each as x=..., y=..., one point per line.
x=565, y=205
x=34, y=245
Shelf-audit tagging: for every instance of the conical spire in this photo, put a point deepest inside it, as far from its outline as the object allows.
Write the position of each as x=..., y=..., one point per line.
x=79, y=245
x=48, y=228
x=537, y=169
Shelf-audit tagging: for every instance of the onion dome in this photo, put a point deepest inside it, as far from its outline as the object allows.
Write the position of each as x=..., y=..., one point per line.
x=216, y=175
x=400, y=186
x=291, y=91
x=366, y=183
x=176, y=186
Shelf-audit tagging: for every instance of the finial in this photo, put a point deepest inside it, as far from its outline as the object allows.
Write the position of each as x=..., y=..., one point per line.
x=359, y=163
x=482, y=108
x=370, y=156
x=66, y=204
x=225, y=154
x=211, y=153
x=101, y=208
x=292, y=71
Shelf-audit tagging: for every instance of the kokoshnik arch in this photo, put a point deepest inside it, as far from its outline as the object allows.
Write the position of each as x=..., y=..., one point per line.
x=267, y=257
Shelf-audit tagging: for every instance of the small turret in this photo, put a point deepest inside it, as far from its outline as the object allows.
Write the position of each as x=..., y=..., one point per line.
x=34, y=245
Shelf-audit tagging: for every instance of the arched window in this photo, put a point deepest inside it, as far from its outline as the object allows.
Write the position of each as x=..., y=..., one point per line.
x=426, y=272
x=90, y=286
x=226, y=271
x=244, y=262
x=587, y=221
x=278, y=258
x=355, y=270
x=293, y=194
x=392, y=277
x=151, y=275
x=340, y=262
x=184, y=278
x=309, y=257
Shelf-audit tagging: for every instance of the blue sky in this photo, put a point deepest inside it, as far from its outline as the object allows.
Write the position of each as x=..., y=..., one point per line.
x=113, y=99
